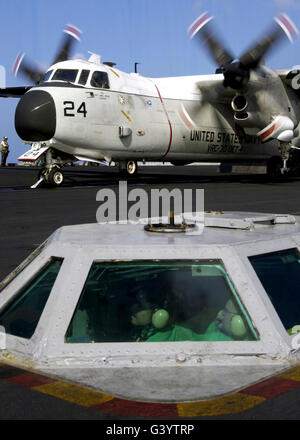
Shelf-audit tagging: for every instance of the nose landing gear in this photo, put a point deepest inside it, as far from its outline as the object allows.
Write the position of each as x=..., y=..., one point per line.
x=51, y=173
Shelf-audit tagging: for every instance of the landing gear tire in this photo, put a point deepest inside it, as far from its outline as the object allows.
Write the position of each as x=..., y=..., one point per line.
x=131, y=167
x=56, y=177
x=127, y=168
x=274, y=166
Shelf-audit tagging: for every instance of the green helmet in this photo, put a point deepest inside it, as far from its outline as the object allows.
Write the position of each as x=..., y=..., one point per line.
x=230, y=322
x=160, y=318
x=238, y=328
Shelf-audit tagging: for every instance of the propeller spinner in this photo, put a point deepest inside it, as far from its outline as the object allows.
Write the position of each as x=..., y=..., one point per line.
x=32, y=72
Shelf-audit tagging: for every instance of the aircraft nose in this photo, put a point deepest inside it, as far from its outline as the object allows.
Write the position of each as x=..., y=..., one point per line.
x=35, y=117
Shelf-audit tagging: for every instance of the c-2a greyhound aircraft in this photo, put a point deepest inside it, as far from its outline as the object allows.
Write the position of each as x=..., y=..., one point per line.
x=88, y=110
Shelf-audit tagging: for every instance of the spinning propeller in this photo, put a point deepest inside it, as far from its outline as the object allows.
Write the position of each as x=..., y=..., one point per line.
x=237, y=73
x=31, y=71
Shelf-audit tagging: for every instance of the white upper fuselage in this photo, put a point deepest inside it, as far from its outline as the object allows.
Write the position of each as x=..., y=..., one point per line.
x=133, y=117
x=184, y=87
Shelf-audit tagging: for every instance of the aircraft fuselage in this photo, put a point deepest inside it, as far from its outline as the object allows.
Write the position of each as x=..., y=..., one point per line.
x=133, y=117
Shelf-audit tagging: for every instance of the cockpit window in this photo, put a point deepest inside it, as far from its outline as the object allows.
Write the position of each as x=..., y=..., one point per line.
x=159, y=301
x=21, y=316
x=100, y=80
x=279, y=273
x=47, y=75
x=83, y=77
x=68, y=75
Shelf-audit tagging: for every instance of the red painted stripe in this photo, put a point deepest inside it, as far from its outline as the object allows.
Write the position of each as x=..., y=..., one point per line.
x=267, y=132
x=7, y=371
x=271, y=388
x=139, y=409
x=170, y=125
x=27, y=160
x=291, y=29
x=185, y=119
x=29, y=380
x=198, y=23
x=72, y=30
x=17, y=63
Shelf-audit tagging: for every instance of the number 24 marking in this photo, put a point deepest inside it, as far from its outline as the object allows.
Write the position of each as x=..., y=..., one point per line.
x=70, y=106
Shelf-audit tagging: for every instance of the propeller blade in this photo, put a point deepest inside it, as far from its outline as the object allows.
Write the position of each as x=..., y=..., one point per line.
x=72, y=34
x=253, y=56
x=237, y=73
x=33, y=73
x=202, y=30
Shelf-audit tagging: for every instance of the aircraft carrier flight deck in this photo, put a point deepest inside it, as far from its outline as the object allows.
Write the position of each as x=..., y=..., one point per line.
x=29, y=216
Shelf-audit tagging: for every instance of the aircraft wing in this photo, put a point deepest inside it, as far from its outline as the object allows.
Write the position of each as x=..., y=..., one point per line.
x=14, y=92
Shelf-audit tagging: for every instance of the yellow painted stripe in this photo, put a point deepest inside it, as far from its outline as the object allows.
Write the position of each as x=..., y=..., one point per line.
x=293, y=374
x=73, y=393
x=113, y=71
x=224, y=405
x=126, y=116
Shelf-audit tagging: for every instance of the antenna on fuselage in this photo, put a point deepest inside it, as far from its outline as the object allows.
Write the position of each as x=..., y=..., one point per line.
x=109, y=63
x=94, y=58
x=135, y=67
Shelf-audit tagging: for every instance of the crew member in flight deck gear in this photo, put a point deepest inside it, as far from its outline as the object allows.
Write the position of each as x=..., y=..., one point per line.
x=4, y=151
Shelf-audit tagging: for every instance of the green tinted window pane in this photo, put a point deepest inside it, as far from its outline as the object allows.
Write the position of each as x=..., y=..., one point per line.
x=159, y=301
x=65, y=75
x=100, y=80
x=21, y=316
x=279, y=273
x=83, y=77
x=47, y=75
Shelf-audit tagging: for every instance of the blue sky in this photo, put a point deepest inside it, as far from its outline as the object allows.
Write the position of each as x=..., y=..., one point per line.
x=151, y=32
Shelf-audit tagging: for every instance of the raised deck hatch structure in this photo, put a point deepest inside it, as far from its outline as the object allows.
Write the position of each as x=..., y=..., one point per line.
x=159, y=316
